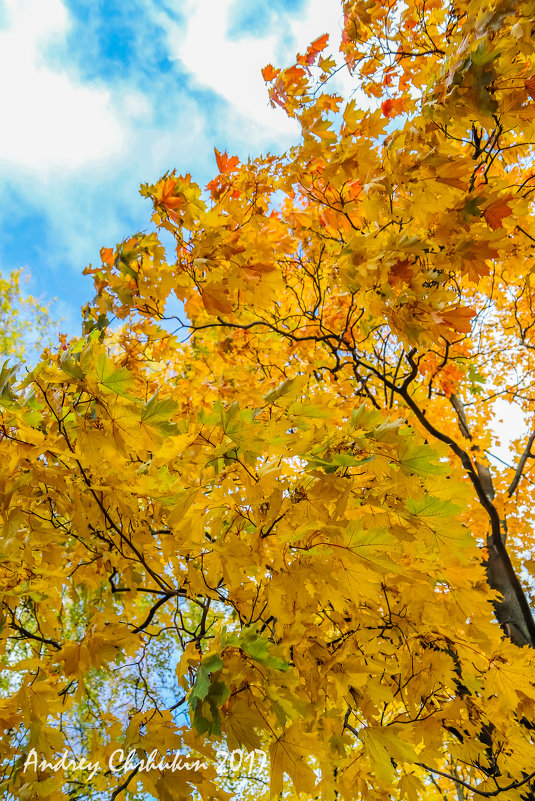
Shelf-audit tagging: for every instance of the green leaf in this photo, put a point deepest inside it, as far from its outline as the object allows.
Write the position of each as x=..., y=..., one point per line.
x=200, y=688
x=71, y=367
x=418, y=461
x=96, y=326
x=155, y=413
x=229, y=415
x=117, y=380
x=258, y=648
x=366, y=419
x=471, y=208
x=207, y=694
x=476, y=379
x=125, y=268
x=7, y=376
x=203, y=725
x=429, y=506
x=387, y=429
x=211, y=664
x=219, y=692
x=337, y=460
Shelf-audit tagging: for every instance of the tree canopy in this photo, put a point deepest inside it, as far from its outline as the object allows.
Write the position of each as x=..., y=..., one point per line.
x=273, y=521
x=24, y=320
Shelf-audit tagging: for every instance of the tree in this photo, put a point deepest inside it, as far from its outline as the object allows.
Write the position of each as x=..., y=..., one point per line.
x=23, y=319
x=271, y=523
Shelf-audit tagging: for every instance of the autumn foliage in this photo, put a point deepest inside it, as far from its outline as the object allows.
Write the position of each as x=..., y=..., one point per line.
x=274, y=520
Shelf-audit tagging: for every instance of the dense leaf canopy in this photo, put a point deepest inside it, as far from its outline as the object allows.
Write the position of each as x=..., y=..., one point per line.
x=269, y=521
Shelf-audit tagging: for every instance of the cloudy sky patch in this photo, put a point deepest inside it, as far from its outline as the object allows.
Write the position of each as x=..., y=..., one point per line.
x=98, y=97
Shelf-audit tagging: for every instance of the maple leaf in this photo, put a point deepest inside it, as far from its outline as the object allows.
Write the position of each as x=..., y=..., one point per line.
x=116, y=379
x=269, y=73
x=529, y=83
x=215, y=300
x=106, y=255
x=166, y=194
x=319, y=44
x=392, y=106
x=288, y=755
x=459, y=318
x=401, y=271
x=496, y=211
x=224, y=163
x=383, y=745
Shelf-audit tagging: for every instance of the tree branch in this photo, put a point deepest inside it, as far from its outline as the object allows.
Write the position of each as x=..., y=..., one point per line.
x=124, y=785
x=483, y=793
x=522, y=463
x=154, y=609
x=31, y=636
x=482, y=469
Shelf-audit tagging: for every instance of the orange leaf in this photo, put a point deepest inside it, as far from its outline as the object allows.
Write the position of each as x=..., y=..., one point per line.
x=216, y=301
x=214, y=187
x=459, y=319
x=269, y=73
x=167, y=195
x=261, y=267
x=495, y=213
x=474, y=254
x=529, y=83
x=106, y=255
x=224, y=163
x=392, y=106
x=401, y=271
x=455, y=182
x=318, y=44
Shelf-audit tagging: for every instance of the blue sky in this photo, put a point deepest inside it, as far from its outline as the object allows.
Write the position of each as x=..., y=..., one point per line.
x=98, y=96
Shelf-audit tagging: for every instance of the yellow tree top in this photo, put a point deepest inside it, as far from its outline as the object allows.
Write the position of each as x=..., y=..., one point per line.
x=269, y=521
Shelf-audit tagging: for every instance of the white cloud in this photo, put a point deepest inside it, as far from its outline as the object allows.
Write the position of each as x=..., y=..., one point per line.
x=50, y=120
x=231, y=66
x=53, y=121
x=75, y=152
